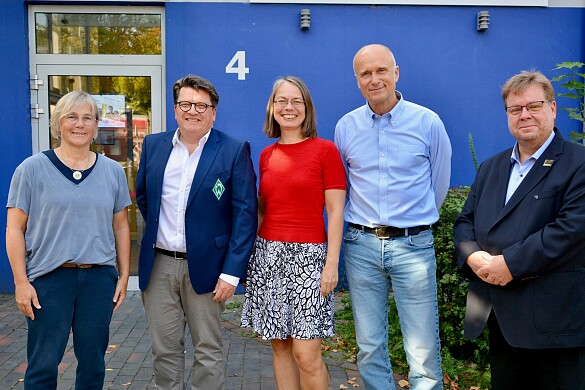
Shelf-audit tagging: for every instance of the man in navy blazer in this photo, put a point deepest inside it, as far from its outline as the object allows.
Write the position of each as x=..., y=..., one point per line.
x=520, y=238
x=196, y=189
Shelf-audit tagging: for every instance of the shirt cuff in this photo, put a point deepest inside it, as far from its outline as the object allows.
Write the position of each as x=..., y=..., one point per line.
x=233, y=280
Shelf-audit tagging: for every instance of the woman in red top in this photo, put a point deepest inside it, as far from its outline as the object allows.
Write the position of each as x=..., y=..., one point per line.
x=293, y=270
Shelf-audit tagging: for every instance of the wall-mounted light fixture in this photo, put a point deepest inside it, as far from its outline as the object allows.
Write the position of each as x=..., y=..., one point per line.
x=483, y=20
x=305, y=19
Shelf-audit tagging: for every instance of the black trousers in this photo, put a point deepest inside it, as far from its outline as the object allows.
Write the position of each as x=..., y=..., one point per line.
x=535, y=369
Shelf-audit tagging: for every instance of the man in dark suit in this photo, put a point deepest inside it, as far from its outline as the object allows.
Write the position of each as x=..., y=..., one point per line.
x=521, y=240
x=196, y=189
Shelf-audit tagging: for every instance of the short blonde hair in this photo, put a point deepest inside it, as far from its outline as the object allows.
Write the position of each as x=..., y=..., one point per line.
x=69, y=103
x=518, y=83
x=309, y=126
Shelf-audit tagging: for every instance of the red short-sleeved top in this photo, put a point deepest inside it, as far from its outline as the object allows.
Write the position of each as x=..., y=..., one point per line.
x=293, y=180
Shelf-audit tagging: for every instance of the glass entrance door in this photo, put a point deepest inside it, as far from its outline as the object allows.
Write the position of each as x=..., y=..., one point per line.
x=129, y=99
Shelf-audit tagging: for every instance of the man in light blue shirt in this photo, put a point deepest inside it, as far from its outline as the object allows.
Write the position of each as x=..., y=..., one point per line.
x=398, y=160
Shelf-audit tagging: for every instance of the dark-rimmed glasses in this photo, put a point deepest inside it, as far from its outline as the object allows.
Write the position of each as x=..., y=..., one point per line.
x=532, y=107
x=200, y=107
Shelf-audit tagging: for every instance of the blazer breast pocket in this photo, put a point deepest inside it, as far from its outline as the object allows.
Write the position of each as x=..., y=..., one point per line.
x=545, y=195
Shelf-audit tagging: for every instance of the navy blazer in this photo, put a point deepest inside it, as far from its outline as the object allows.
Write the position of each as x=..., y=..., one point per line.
x=220, y=232
x=541, y=234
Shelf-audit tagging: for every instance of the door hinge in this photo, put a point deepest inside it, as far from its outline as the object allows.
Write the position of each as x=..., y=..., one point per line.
x=35, y=111
x=35, y=82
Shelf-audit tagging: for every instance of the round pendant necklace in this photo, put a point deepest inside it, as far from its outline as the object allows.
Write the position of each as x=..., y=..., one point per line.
x=77, y=173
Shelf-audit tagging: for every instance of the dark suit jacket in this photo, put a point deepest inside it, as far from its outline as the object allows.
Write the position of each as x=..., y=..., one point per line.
x=219, y=232
x=541, y=234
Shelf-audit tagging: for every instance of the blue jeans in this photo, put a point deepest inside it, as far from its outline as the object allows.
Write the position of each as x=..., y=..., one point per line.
x=408, y=266
x=74, y=299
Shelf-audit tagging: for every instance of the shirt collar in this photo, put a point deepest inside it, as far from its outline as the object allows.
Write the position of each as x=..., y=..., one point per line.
x=202, y=141
x=398, y=108
x=515, y=157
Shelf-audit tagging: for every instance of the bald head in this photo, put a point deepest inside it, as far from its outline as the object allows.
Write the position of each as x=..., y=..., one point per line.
x=373, y=50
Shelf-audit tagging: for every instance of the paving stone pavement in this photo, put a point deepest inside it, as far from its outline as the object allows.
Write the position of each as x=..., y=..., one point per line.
x=129, y=360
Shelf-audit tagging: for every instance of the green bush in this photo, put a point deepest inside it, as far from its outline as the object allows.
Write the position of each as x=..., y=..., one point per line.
x=471, y=356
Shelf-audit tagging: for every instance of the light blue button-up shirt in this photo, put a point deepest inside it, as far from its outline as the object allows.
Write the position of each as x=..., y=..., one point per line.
x=398, y=165
x=520, y=170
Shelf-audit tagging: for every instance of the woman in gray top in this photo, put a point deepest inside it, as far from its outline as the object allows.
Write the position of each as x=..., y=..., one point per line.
x=67, y=229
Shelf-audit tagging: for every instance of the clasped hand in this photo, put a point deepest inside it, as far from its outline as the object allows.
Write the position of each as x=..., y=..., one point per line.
x=490, y=269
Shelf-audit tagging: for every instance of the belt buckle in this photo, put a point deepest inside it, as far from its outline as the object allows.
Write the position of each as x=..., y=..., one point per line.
x=178, y=257
x=382, y=232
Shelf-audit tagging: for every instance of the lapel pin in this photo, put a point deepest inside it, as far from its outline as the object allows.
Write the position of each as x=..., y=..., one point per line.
x=548, y=163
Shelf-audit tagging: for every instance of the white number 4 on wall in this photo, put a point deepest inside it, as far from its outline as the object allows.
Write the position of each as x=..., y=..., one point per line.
x=241, y=70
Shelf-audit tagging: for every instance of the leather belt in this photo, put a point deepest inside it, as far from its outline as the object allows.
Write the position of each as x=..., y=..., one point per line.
x=173, y=254
x=73, y=265
x=383, y=232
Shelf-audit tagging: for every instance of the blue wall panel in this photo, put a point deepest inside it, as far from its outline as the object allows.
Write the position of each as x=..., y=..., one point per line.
x=445, y=63
x=15, y=133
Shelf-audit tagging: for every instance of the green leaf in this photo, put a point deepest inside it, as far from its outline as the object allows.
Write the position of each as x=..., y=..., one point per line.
x=573, y=84
x=569, y=95
x=569, y=65
x=578, y=116
x=575, y=136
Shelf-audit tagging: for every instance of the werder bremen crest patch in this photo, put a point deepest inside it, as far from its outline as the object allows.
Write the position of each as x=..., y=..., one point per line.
x=218, y=189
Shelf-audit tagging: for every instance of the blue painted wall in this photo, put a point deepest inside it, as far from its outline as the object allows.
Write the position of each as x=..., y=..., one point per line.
x=16, y=132
x=445, y=64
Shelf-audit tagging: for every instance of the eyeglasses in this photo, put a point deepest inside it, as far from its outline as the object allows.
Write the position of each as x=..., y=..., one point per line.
x=282, y=102
x=73, y=119
x=532, y=107
x=200, y=107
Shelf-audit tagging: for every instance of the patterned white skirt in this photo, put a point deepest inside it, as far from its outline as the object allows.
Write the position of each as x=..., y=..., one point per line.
x=283, y=296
